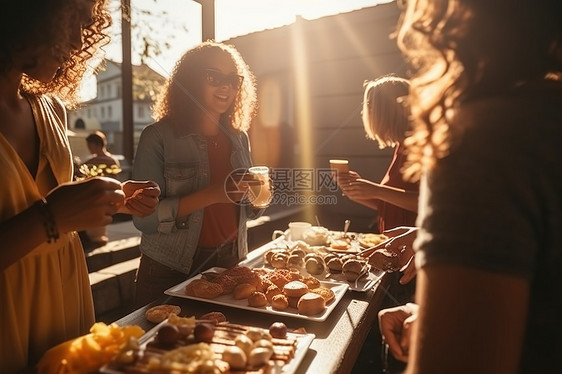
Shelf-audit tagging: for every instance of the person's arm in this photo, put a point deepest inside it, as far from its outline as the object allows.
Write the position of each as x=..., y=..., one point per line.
x=365, y=189
x=395, y=325
x=345, y=179
x=469, y=321
x=69, y=207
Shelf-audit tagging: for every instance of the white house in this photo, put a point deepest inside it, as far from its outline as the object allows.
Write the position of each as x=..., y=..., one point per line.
x=105, y=111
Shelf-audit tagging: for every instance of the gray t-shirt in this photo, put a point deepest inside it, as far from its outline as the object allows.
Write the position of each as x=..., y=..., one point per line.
x=495, y=203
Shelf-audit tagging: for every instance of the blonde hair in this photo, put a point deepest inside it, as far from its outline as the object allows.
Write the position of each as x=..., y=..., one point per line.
x=385, y=117
x=180, y=100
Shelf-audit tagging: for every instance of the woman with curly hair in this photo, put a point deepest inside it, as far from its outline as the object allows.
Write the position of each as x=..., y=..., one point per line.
x=487, y=103
x=45, y=295
x=199, y=139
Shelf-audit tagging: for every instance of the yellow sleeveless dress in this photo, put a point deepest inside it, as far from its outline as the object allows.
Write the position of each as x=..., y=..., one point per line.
x=45, y=298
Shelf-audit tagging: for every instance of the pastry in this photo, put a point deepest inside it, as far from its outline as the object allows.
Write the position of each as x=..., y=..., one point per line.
x=279, y=302
x=257, y=299
x=203, y=288
x=159, y=313
x=314, y=266
x=295, y=289
x=311, y=282
x=383, y=259
x=311, y=304
x=370, y=240
x=327, y=294
x=243, y=291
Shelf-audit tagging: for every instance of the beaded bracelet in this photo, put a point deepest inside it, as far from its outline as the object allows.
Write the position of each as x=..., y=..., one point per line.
x=50, y=224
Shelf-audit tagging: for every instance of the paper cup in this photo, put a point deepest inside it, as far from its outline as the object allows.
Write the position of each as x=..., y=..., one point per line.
x=341, y=166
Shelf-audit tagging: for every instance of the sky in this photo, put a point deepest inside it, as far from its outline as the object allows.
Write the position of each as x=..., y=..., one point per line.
x=176, y=24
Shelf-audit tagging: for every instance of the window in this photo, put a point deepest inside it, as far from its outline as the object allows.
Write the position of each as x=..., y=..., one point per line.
x=109, y=112
x=103, y=112
x=140, y=111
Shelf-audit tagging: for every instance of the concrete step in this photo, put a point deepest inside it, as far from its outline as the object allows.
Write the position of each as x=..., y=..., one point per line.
x=112, y=253
x=113, y=287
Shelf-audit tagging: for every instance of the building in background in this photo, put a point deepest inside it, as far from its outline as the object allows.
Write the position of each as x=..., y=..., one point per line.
x=104, y=112
x=310, y=77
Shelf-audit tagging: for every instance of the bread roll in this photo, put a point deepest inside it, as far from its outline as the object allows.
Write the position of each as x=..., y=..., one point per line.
x=280, y=302
x=243, y=291
x=295, y=289
x=311, y=304
x=257, y=299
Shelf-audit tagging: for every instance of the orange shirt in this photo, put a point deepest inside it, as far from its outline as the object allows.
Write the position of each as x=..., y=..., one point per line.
x=220, y=221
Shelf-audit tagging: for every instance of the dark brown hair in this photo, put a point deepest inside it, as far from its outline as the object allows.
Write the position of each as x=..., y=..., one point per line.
x=29, y=23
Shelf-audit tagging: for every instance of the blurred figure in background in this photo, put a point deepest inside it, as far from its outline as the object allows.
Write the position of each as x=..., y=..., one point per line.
x=386, y=121
x=97, y=145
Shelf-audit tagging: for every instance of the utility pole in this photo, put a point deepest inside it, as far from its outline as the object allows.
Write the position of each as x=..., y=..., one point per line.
x=208, y=19
x=127, y=82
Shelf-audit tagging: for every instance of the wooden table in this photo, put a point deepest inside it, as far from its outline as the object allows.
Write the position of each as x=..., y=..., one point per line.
x=338, y=339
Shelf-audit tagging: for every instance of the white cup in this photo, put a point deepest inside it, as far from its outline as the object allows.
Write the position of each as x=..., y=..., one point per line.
x=295, y=232
x=296, y=229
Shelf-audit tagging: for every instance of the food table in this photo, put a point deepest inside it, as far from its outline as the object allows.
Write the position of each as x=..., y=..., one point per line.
x=338, y=339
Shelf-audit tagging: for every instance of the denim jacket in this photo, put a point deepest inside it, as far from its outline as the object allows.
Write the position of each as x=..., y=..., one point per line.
x=177, y=160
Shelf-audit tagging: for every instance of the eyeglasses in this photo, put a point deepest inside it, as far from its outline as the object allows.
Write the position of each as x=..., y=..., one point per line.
x=216, y=79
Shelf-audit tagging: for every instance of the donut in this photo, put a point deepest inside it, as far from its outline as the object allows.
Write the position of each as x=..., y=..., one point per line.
x=159, y=313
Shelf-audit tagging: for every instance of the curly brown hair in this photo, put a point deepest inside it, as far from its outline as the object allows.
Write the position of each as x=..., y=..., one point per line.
x=462, y=49
x=180, y=100
x=42, y=22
